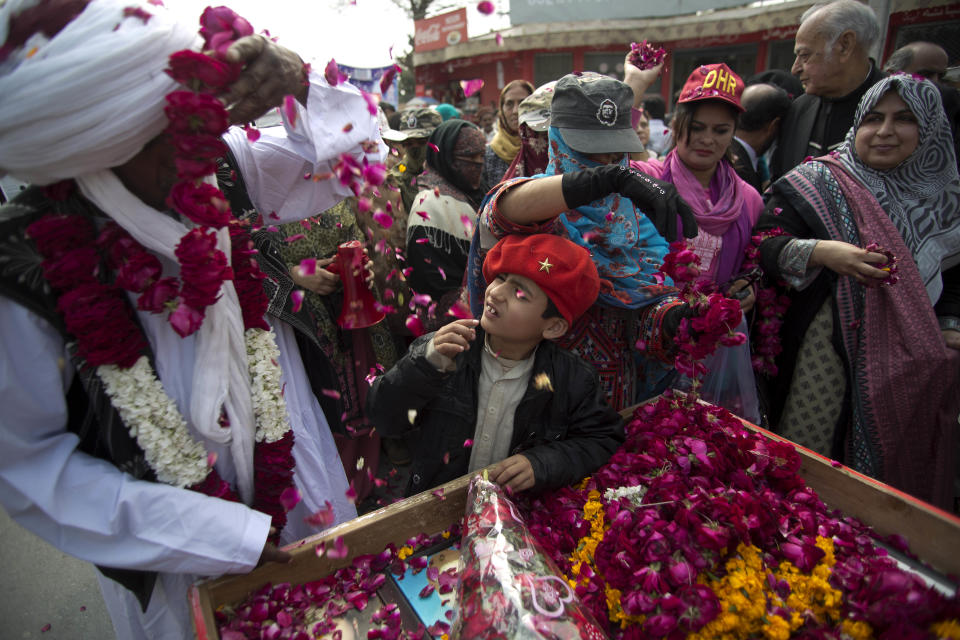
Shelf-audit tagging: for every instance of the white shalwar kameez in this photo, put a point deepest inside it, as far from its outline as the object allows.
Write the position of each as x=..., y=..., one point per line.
x=90, y=509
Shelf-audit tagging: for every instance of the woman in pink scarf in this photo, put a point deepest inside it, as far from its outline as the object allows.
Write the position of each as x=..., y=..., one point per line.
x=725, y=206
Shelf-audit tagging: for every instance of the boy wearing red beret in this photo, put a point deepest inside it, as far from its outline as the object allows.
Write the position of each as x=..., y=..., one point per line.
x=503, y=392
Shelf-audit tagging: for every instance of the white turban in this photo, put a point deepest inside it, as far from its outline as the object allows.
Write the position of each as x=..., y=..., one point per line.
x=90, y=97
x=87, y=100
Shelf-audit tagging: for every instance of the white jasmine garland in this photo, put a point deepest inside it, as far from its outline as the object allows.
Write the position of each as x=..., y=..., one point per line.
x=266, y=391
x=633, y=494
x=153, y=419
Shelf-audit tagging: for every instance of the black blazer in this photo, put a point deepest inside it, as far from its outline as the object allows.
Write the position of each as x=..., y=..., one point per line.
x=744, y=167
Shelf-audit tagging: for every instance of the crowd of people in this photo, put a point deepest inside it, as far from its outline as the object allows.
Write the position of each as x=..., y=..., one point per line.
x=175, y=354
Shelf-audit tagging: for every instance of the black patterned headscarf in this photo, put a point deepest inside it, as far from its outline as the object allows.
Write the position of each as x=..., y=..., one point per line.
x=450, y=149
x=922, y=194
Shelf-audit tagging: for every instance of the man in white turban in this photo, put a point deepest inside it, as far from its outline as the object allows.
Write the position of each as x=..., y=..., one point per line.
x=98, y=457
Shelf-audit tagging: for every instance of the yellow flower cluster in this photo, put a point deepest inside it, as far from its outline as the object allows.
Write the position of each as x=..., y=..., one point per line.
x=587, y=546
x=947, y=629
x=404, y=552
x=584, y=555
x=746, y=597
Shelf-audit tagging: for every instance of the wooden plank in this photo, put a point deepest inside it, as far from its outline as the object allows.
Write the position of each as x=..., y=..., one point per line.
x=367, y=534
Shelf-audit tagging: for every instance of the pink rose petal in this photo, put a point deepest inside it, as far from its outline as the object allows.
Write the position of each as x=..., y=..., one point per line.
x=468, y=443
x=339, y=549
x=382, y=218
x=290, y=109
x=252, y=134
x=322, y=518
x=438, y=493
x=486, y=7
x=415, y=326
x=289, y=498
x=436, y=149
x=471, y=86
x=499, y=40
x=427, y=591
x=294, y=237
x=308, y=266
x=296, y=297
x=331, y=393
x=332, y=73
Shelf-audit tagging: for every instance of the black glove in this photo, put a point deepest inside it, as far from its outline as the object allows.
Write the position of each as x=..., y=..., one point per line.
x=659, y=200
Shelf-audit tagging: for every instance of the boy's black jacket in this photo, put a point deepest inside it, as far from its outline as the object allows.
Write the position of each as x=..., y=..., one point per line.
x=566, y=433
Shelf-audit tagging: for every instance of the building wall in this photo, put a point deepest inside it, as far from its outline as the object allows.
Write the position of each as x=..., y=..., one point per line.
x=746, y=53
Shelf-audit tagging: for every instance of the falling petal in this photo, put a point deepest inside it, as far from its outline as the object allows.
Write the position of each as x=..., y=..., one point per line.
x=459, y=310
x=471, y=86
x=322, y=518
x=289, y=498
x=446, y=457
x=382, y=218
x=360, y=463
x=422, y=240
x=308, y=266
x=347, y=128
x=386, y=81
x=467, y=443
x=211, y=458
x=339, y=549
x=332, y=73
x=422, y=299
x=371, y=100
x=297, y=298
x=467, y=222
x=294, y=238
x=290, y=109
x=351, y=494
x=499, y=39
x=411, y=415
x=485, y=7
x=609, y=216
x=415, y=326
x=331, y=393
x=443, y=274
x=320, y=549
x=45, y=628
x=252, y=134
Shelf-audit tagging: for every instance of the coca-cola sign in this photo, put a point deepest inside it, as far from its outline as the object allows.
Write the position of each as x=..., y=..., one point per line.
x=440, y=31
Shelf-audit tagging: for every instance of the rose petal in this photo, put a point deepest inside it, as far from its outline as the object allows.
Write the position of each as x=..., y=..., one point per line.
x=486, y=7
x=470, y=87
x=289, y=498
x=322, y=518
x=290, y=109
x=331, y=393
x=308, y=266
x=296, y=297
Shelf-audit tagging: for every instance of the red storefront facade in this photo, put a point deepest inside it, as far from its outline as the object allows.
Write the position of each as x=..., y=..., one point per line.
x=748, y=39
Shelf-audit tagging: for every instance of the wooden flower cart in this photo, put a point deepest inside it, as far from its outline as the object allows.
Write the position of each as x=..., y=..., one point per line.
x=933, y=534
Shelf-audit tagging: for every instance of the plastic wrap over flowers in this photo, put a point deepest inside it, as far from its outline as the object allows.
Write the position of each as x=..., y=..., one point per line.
x=508, y=587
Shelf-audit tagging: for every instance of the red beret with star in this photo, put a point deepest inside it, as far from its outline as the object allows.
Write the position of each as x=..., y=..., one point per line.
x=563, y=269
